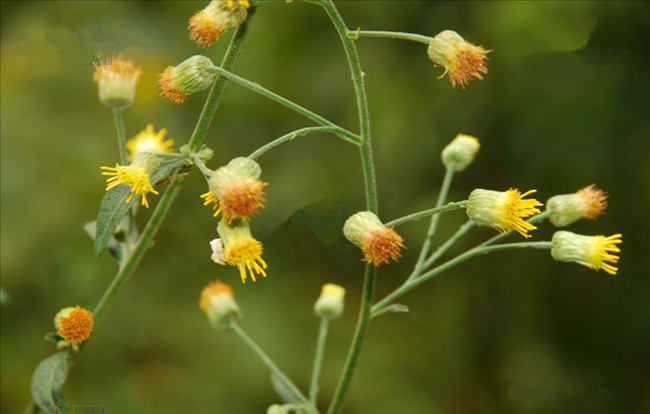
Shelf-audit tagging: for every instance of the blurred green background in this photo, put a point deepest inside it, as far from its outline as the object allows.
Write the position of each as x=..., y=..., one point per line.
x=565, y=104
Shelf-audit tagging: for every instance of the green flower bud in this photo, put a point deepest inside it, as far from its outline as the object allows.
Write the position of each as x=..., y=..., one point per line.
x=588, y=203
x=116, y=82
x=460, y=152
x=595, y=252
x=218, y=302
x=190, y=76
x=330, y=302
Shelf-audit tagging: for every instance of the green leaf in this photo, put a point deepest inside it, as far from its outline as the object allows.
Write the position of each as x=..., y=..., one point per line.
x=113, y=245
x=52, y=337
x=111, y=210
x=285, y=394
x=47, y=381
x=32, y=408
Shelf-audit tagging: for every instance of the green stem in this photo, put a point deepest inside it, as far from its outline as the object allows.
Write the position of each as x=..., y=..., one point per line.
x=201, y=166
x=469, y=224
x=269, y=363
x=355, y=34
x=121, y=136
x=363, y=321
x=212, y=101
x=318, y=359
x=172, y=190
x=433, y=225
x=426, y=213
x=535, y=219
x=289, y=137
x=342, y=132
x=410, y=284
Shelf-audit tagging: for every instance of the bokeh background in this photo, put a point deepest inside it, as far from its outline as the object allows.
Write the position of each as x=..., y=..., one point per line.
x=565, y=105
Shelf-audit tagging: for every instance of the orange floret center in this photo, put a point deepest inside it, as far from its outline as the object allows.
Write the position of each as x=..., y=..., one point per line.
x=467, y=63
x=77, y=326
x=593, y=201
x=242, y=199
x=204, y=28
x=213, y=289
x=119, y=68
x=381, y=245
x=245, y=253
x=514, y=209
x=168, y=88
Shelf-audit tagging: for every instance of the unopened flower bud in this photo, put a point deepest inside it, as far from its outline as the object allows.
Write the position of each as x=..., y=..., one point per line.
x=503, y=210
x=209, y=24
x=74, y=324
x=218, y=302
x=462, y=60
x=330, y=302
x=190, y=76
x=588, y=203
x=235, y=190
x=595, y=252
x=460, y=152
x=377, y=242
x=116, y=79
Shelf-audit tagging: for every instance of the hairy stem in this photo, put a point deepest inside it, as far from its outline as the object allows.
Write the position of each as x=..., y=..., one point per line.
x=411, y=284
x=355, y=34
x=370, y=186
x=456, y=205
x=342, y=132
x=289, y=137
x=469, y=224
x=118, y=121
x=269, y=363
x=318, y=359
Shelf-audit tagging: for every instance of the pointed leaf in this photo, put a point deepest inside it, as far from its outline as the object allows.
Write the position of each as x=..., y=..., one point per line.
x=47, y=381
x=111, y=210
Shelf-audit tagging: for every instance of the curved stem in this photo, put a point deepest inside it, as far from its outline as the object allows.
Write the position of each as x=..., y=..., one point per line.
x=355, y=34
x=410, y=284
x=426, y=213
x=289, y=137
x=433, y=225
x=171, y=192
x=469, y=224
x=269, y=363
x=342, y=132
x=318, y=359
x=370, y=186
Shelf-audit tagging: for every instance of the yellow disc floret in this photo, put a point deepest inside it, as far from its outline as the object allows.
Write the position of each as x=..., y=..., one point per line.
x=137, y=175
x=595, y=252
x=503, y=211
x=242, y=250
x=151, y=141
x=74, y=324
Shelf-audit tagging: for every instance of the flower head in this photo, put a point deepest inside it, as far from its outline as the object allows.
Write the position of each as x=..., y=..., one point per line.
x=116, y=78
x=330, y=301
x=460, y=152
x=242, y=250
x=235, y=190
x=378, y=243
x=190, y=76
x=595, y=252
x=588, y=203
x=74, y=324
x=137, y=175
x=148, y=140
x=503, y=211
x=209, y=24
x=218, y=302
x=462, y=60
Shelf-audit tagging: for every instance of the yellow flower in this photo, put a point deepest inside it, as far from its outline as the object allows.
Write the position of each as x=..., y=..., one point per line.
x=116, y=81
x=148, y=140
x=462, y=60
x=209, y=24
x=378, y=243
x=595, y=252
x=242, y=250
x=74, y=324
x=235, y=190
x=137, y=175
x=218, y=302
x=503, y=211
